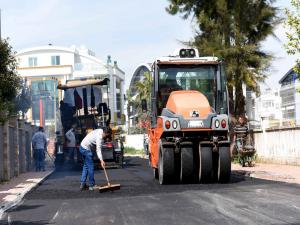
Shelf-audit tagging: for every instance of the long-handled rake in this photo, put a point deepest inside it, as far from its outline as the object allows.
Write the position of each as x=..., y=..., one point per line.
x=109, y=186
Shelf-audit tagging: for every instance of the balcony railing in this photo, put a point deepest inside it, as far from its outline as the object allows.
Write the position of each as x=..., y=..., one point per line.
x=88, y=67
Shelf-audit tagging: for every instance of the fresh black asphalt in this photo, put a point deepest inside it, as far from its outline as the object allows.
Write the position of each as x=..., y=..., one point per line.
x=141, y=200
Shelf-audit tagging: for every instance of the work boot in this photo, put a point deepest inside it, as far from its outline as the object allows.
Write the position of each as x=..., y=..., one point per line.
x=83, y=186
x=91, y=188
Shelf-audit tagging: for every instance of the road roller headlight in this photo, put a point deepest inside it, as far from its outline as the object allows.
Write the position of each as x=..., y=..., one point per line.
x=217, y=123
x=174, y=124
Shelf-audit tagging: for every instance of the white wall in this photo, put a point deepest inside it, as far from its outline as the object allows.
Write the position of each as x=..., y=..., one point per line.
x=42, y=72
x=134, y=141
x=279, y=146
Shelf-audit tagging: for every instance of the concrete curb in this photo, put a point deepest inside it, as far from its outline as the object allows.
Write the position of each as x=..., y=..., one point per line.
x=8, y=205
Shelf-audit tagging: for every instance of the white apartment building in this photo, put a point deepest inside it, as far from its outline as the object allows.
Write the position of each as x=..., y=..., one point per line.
x=290, y=94
x=268, y=108
x=45, y=67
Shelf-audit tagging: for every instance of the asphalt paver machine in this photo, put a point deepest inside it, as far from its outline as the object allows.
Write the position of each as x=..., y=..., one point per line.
x=85, y=107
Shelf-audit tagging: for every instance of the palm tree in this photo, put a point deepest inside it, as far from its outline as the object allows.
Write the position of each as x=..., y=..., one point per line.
x=143, y=91
x=143, y=87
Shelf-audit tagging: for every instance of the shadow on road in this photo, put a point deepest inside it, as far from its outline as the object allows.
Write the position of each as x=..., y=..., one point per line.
x=40, y=222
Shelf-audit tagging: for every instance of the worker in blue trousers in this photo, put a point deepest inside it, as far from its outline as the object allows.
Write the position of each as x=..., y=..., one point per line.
x=94, y=138
x=39, y=145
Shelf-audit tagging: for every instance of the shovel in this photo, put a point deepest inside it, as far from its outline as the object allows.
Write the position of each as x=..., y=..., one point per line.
x=109, y=186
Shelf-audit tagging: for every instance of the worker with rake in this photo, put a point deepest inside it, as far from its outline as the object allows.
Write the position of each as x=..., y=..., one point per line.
x=93, y=138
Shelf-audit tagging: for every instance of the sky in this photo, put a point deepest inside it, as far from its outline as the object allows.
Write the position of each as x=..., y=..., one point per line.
x=132, y=32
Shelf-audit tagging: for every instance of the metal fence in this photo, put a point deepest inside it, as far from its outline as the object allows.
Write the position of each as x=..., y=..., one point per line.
x=15, y=148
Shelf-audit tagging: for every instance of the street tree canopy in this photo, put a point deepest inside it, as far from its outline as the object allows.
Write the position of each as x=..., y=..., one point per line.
x=23, y=99
x=233, y=31
x=9, y=80
x=293, y=35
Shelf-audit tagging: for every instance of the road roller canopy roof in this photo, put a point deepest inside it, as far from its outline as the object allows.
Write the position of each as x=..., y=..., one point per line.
x=80, y=83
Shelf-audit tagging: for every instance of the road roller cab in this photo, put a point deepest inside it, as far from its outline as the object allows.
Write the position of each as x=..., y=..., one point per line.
x=188, y=137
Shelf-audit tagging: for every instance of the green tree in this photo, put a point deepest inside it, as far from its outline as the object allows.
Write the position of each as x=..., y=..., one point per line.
x=143, y=91
x=23, y=99
x=232, y=30
x=144, y=88
x=9, y=80
x=293, y=35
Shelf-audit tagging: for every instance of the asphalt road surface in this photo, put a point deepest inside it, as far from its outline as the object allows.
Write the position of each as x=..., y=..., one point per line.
x=141, y=200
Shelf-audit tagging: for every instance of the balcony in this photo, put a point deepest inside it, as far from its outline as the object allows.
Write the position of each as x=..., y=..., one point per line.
x=87, y=67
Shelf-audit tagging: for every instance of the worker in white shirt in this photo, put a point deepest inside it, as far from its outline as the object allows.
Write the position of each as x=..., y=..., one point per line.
x=93, y=138
x=71, y=144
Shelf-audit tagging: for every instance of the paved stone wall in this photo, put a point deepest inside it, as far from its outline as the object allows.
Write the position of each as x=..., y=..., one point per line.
x=15, y=148
x=1, y=153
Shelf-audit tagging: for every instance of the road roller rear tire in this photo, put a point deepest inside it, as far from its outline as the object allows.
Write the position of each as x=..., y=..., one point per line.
x=187, y=169
x=224, y=164
x=205, y=164
x=166, y=166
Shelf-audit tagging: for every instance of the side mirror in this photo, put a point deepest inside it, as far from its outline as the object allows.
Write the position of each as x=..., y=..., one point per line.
x=144, y=105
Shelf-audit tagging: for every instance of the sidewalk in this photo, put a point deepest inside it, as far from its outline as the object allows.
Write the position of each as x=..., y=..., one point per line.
x=275, y=172
x=13, y=191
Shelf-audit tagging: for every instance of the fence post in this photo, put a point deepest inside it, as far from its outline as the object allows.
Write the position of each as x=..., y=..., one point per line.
x=22, y=147
x=6, y=152
x=33, y=129
x=27, y=144
x=15, y=146
x=1, y=153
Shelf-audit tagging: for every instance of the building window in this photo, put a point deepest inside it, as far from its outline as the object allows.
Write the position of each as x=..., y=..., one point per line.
x=45, y=92
x=32, y=61
x=289, y=114
x=288, y=97
x=268, y=104
x=55, y=60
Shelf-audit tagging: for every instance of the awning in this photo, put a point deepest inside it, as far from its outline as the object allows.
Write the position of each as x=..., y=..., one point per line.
x=81, y=83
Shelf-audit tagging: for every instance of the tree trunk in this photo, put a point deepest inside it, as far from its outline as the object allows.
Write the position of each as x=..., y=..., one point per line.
x=231, y=102
x=239, y=97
